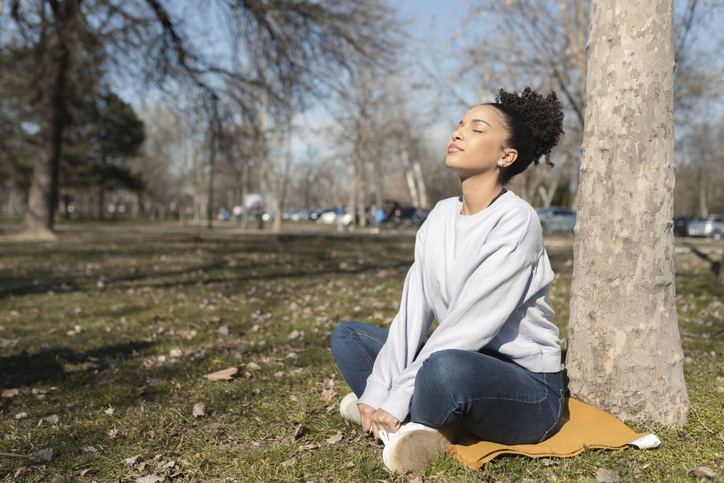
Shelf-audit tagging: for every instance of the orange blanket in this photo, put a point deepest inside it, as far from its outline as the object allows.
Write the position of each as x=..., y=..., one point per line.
x=581, y=427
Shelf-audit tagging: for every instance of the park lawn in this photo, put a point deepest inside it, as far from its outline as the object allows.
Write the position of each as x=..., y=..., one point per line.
x=112, y=333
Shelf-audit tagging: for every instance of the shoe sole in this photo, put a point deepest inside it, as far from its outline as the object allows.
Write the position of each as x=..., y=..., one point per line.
x=414, y=451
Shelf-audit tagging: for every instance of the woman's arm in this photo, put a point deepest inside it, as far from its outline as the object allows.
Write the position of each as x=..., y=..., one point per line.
x=498, y=280
x=407, y=332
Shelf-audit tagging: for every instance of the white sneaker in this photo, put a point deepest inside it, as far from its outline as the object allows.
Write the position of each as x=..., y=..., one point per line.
x=348, y=408
x=413, y=446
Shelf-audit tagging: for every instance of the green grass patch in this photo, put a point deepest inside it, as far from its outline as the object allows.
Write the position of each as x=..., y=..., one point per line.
x=112, y=333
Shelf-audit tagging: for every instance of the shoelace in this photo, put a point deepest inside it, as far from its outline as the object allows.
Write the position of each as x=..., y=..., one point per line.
x=385, y=437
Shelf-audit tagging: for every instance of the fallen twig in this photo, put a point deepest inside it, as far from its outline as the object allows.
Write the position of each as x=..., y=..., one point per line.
x=700, y=422
x=26, y=456
x=42, y=455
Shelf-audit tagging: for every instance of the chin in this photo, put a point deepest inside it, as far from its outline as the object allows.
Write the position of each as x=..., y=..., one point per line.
x=449, y=162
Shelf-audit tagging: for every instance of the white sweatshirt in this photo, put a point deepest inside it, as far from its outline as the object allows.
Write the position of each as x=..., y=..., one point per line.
x=484, y=279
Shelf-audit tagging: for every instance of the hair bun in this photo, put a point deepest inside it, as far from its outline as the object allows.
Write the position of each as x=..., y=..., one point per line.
x=542, y=116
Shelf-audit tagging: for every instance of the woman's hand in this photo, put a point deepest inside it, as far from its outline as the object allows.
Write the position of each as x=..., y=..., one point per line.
x=365, y=413
x=381, y=419
x=375, y=420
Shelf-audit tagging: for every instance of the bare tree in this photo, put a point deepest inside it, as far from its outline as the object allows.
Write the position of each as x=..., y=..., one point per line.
x=624, y=350
x=549, y=53
x=302, y=39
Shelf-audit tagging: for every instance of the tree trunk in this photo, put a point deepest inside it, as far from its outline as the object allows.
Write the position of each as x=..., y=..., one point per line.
x=101, y=196
x=2, y=4
x=353, y=187
x=197, y=186
x=422, y=188
x=546, y=195
x=703, y=205
x=624, y=350
x=379, y=184
x=38, y=220
x=358, y=211
x=244, y=191
x=410, y=177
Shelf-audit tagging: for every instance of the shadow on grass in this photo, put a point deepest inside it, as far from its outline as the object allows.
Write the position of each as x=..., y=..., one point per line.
x=715, y=265
x=316, y=259
x=24, y=369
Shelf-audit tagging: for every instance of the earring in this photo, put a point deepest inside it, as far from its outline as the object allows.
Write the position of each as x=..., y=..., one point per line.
x=501, y=163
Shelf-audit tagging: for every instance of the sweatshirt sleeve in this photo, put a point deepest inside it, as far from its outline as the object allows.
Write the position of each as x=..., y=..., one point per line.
x=496, y=284
x=407, y=332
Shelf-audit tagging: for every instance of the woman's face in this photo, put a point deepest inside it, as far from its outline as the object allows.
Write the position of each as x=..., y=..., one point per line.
x=476, y=146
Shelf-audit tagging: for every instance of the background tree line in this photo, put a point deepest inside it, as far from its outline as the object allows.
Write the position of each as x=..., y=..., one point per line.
x=295, y=101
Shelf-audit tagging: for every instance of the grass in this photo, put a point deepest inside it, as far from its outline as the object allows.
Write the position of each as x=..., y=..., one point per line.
x=113, y=333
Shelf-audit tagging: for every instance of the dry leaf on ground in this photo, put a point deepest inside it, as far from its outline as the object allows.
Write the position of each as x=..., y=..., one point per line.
x=224, y=375
x=328, y=394
x=149, y=479
x=307, y=447
x=199, y=410
x=701, y=471
x=10, y=393
x=44, y=454
x=335, y=439
x=132, y=460
x=607, y=476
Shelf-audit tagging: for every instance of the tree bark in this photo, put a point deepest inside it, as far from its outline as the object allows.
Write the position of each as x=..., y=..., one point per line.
x=624, y=349
x=42, y=198
x=1, y=14
x=703, y=205
x=422, y=187
x=546, y=195
x=410, y=177
x=244, y=191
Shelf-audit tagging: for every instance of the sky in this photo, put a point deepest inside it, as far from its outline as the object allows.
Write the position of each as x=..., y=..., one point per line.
x=429, y=23
x=442, y=15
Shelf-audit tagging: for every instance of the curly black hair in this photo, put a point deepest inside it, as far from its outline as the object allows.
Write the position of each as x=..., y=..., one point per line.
x=534, y=124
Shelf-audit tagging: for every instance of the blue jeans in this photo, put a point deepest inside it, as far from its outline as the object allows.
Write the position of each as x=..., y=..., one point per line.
x=485, y=392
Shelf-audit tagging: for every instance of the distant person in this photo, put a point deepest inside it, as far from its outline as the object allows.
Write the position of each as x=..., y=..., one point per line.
x=492, y=365
x=379, y=218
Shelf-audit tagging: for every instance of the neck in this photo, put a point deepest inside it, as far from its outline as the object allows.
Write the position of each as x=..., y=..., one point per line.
x=478, y=192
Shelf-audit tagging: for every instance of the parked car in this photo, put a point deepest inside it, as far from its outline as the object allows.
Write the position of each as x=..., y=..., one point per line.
x=557, y=218
x=316, y=213
x=408, y=216
x=330, y=218
x=681, y=225
x=711, y=226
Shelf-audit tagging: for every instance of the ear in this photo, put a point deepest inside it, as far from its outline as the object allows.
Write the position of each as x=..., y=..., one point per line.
x=508, y=157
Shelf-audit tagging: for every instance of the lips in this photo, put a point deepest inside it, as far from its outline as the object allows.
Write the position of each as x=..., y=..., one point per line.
x=454, y=148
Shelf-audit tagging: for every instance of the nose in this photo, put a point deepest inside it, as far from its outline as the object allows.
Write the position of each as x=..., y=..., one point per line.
x=457, y=135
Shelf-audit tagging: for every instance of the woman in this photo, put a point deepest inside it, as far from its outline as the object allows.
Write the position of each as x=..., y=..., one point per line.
x=492, y=365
